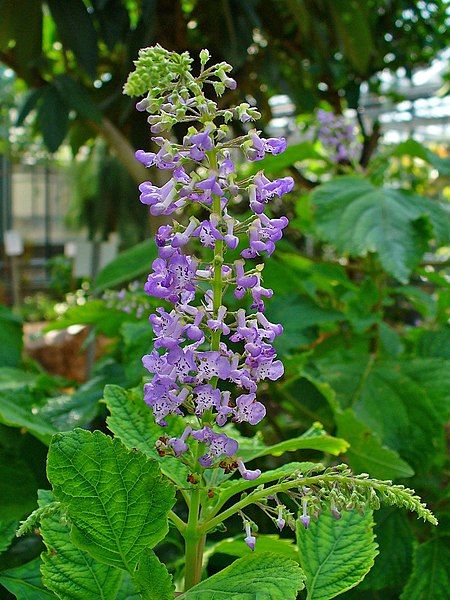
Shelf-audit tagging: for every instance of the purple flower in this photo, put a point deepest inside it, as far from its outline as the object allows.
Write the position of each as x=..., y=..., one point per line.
x=218, y=445
x=248, y=409
x=246, y=473
x=199, y=144
x=179, y=444
x=206, y=398
x=250, y=539
x=191, y=360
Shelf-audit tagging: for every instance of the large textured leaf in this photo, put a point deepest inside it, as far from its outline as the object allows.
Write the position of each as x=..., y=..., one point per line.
x=266, y=576
x=131, y=421
x=358, y=218
x=366, y=453
x=72, y=18
x=127, y=266
x=68, y=571
x=430, y=579
x=152, y=579
x=25, y=582
x=53, y=118
x=399, y=406
x=116, y=498
x=336, y=555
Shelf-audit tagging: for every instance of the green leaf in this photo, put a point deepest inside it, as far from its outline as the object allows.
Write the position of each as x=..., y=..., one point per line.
x=358, y=218
x=95, y=312
x=53, y=118
x=314, y=439
x=17, y=487
x=25, y=582
x=265, y=543
x=77, y=98
x=68, y=571
x=116, y=498
x=396, y=401
x=430, y=579
x=336, y=554
x=71, y=18
x=292, y=154
x=17, y=409
x=129, y=265
x=393, y=563
x=354, y=33
x=366, y=452
x=266, y=576
x=26, y=32
x=131, y=421
x=11, y=342
x=415, y=149
x=29, y=104
x=8, y=530
x=152, y=579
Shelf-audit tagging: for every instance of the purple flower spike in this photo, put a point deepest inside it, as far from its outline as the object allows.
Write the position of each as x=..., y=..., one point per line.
x=191, y=365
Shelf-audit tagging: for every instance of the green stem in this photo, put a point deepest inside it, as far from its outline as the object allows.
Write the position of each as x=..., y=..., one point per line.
x=194, y=536
x=284, y=486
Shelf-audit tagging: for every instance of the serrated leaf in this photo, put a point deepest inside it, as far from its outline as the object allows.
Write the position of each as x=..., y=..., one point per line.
x=153, y=579
x=366, y=452
x=7, y=533
x=397, y=404
x=266, y=576
x=129, y=265
x=336, y=554
x=25, y=582
x=430, y=578
x=70, y=572
x=132, y=422
x=358, y=218
x=116, y=498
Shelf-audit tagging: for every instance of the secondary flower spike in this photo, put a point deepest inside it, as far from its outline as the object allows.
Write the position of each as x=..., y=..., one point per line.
x=207, y=359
